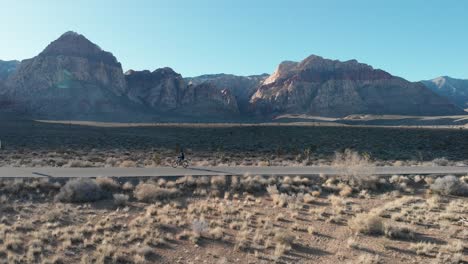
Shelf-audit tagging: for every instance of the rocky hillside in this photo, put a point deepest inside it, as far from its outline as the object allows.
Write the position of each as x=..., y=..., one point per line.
x=242, y=87
x=160, y=89
x=456, y=90
x=323, y=87
x=74, y=78
x=7, y=68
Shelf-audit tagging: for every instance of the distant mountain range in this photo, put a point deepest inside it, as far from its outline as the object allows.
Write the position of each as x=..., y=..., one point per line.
x=456, y=90
x=74, y=78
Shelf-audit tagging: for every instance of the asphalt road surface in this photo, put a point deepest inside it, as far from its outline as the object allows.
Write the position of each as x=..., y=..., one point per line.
x=7, y=172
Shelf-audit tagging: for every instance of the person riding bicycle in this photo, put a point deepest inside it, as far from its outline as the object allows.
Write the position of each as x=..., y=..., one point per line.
x=181, y=156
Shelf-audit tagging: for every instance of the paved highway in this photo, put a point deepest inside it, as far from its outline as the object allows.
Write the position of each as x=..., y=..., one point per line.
x=8, y=172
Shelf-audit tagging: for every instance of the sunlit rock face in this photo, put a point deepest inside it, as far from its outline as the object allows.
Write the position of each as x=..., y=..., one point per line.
x=72, y=78
x=324, y=87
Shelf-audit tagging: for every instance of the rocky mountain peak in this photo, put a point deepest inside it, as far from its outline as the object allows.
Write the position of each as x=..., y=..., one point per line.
x=325, y=87
x=72, y=44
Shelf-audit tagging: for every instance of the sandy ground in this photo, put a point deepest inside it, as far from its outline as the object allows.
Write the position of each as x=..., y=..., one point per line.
x=240, y=220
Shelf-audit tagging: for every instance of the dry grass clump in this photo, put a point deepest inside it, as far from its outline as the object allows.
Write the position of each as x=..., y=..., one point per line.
x=148, y=192
x=120, y=199
x=355, y=169
x=284, y=241
x=440, y=162
x=448, y=258
x=423, y=248
x=450, y=185
x=128, y=164
x=78, y=164
x=367, y=223
x=352, y=243
x=80, y=190
x=398, y=232
x=108, y=184
x=367, y=259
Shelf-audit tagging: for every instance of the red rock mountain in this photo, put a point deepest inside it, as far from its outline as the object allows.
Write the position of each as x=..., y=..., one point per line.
x=323, y=87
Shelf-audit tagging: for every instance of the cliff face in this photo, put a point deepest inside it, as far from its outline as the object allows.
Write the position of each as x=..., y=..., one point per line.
x=208, y=100
x=241, y=87
x=166, y=91
x=323, y=87
x=161, y=89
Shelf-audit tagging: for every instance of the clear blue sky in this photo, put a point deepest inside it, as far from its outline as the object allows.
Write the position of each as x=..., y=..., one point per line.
x=415, y=39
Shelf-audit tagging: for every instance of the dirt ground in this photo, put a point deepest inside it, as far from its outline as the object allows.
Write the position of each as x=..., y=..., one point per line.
x=248, y=219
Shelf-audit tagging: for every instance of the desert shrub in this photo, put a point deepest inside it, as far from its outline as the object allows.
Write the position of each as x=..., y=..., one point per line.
x=440, y=162
x=398, y=232
x=450, y=185
x=368, y=259
x=217, y=233
x=78, y=164
x=80, y=190
x=367, y=223
x=448, y=258
x=128, y=186
x=218, y=182
x=120, y=199
x=127, y=164
x=108, y=184
x=423, y=248
x=355, y=169
x=285, y=238
x=147, y=192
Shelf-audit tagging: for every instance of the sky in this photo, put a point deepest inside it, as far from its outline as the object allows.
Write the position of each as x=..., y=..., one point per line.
x=414, y=39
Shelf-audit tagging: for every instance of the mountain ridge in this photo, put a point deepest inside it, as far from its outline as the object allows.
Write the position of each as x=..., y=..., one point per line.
x=74, y=78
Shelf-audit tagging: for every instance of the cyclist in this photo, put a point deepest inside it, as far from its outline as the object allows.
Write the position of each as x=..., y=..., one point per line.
x=181, y=156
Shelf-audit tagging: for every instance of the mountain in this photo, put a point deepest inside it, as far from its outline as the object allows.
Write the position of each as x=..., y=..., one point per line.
x=456, y=90
x=164, y=90
x=242, y=87
x=73, y=78
x=7, y=68
x=161, y=89
x=332, y=88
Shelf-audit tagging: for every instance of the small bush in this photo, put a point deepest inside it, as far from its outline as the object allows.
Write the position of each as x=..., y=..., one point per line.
x=284, y=238
x=147, y=192
x=423, y=248
x=120, y=199
x=440, y=162
x=108, y=184
x=450, y=185
x=398, y=232
x=368, y=259
x=127, y=164
x=80, y=190
x=367, y=223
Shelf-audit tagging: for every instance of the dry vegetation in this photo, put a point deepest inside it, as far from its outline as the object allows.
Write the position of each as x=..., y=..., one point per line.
x=34, y=144
x=248, y=219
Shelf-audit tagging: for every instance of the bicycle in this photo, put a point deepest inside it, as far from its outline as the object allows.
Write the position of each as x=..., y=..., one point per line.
x=180, y=163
